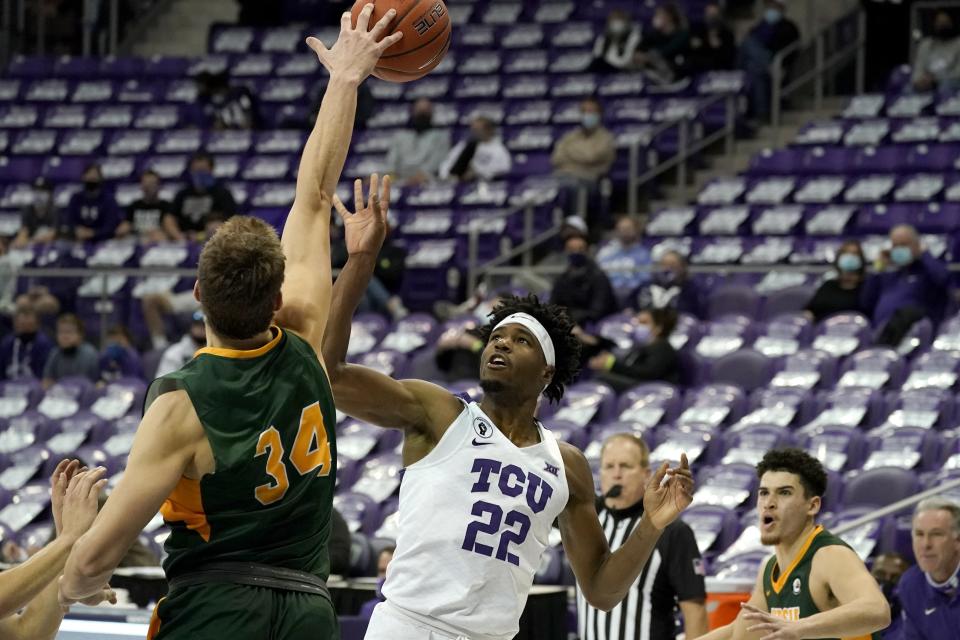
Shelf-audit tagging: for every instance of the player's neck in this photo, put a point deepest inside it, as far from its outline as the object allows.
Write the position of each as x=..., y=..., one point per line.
x=516, y=421
x=786, y=551
x=257, y=341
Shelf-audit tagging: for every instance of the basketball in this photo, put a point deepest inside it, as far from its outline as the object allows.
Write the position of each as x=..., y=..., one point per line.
x=426, y=37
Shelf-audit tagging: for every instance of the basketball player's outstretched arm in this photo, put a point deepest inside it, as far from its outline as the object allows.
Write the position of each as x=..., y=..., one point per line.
x=738, y=628
x=306, y=234
x=861, y=608
x=605, y=577
x=163, y=450
x=361, y=392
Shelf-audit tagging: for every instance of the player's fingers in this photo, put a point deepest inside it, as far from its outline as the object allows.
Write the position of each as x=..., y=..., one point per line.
x=346, y=21
x=59, y=474
x=109, y=595
x=339, y=206
x=684, y=463
x=89, y=480
x=357, y=194
x=660, y=475
x=746, y=606
x=363, y=20
x=318, y=48
x=373, y=195
x=383, y=23
x=385, y=198
x=389, y=41
x=98, y=487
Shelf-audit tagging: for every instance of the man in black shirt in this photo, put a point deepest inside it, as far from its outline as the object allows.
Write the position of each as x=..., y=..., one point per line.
x=144, y=216
x=845, y=292
x=674, y=574
x=713, y=46
x=40, y=220
x=652, y=357
x=584, y=289
x=200, y=207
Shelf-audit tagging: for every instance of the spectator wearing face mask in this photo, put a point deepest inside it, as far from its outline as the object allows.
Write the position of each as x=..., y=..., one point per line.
x=887, y=570
x=24, y=352
x=937, y=64
x=583, y=288
x=73, y=355
x=416, y=153
x=119, y=358
x=845, y=291
x=912, y=285
x=663, y=51
x=145, y=215
x=40, y=220
x=201, y=206
x=625, y=260
x=652, y=357
x=482, y=156
x=774, y=33
x=181, y=352
x=713, y=46
x=458, y=349
x=584, y=155
x=92, y=213
x=613, y=50
x=671, y=286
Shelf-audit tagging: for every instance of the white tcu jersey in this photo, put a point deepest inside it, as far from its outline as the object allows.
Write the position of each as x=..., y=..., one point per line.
x=474, y=518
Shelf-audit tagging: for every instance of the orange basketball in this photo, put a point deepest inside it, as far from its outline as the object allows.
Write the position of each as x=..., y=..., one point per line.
x=426, y=37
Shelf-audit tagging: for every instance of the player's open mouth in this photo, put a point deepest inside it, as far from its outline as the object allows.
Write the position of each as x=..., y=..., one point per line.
x=497, y=361
x=767, y=522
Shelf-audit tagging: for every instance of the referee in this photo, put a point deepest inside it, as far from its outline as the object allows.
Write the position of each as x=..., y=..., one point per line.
x=674, y=573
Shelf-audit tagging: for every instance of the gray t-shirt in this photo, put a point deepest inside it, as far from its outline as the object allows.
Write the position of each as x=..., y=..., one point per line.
x=84, y=362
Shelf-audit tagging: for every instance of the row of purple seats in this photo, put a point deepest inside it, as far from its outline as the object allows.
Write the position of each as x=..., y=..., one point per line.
x=871, y=133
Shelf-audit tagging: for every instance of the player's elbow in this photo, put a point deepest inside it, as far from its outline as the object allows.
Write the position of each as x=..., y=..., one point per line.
x=879, y=612
x=600, y=598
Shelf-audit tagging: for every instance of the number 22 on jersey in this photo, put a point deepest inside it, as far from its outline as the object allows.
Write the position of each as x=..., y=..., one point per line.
x=311, y=451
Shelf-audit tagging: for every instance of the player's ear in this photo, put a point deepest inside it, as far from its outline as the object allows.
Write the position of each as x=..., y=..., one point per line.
x=547, y=377
x=815, y=503
x=196, y=290
x=278, y=302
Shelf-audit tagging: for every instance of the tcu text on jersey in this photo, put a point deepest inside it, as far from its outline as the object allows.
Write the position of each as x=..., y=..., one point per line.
x=511, y=481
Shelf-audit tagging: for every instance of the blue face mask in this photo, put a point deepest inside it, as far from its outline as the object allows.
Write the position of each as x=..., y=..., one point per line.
x=772, y=15
x=577, y=259
x=901, y=256
x=849, y=262
x=202, y=179
x=590, y=120
x=642, y=334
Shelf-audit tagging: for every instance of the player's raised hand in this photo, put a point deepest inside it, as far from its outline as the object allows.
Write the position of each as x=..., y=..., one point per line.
x=365, y=230
x=768, y=627
x=668, y=493
x=357, y=50
x=80, y=502
x=59, y=482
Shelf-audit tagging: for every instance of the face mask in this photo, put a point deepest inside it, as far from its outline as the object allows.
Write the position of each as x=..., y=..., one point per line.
x=901, y=256
x=849, y=262
x=772, y=15
x=202, y=179
x=27, y=336
x=421, y=122
x=69, y=351
x=577, y=259
x=642, y=334
x=91, y=186
x=617, y=27
x=590, y=120
x=943, y=32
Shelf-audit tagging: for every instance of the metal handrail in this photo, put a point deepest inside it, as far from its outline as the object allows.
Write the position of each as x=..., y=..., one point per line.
x=896, y=507
x=822, y=66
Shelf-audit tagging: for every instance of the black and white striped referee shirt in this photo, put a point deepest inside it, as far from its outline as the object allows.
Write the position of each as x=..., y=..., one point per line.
x=674, y=573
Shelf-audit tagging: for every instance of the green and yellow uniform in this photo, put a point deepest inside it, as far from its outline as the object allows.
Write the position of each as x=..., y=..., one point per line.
x=788, y=592
x=269, y=416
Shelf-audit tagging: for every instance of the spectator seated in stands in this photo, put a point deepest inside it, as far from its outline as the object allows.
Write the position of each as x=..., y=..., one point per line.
x=652, y=357
x=916, y=287
x=200, y=207
x=415, y=154
x=584, y=155
x=613, y=49
x=625, y=260
x=458, y=349
x=583, y=288
x=482, y=156
x=663, y=51
x=671, y=286
x=383, y=292
x=144, y=217
x=181, y=352
x=937, y=62
x=845, y=291
x=774, y=33
x=713, y=46
x=24, y=352
x=225, y=106
x=73, y=355
x=119, y=358
x=383, y=561
x=887, y=570
x=40, y=220
x=92, y=213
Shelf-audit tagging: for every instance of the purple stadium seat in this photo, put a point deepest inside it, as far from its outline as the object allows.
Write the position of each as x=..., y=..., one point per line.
x=359, y=510
x=879, y=487
x=730, y=485
x=550, y=570
x=748, y=444
x=872, y=368
x=732, y=299
x=745, y=368
x=714, y=526
x=838, y=448
x=787, y=300
x=697, y=444
x=650, y=404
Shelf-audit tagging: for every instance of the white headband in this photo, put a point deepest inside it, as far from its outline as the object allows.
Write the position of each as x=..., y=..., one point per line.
x=533, y=325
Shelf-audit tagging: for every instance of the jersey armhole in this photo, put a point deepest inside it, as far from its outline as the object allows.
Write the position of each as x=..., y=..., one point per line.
x=161, y=386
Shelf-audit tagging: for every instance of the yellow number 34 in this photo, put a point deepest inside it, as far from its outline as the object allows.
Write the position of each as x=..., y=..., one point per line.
x=311, y=451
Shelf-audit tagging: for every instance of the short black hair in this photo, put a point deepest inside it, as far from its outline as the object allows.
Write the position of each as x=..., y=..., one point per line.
x=799, y=462
x=559, y=326
x=663, y=317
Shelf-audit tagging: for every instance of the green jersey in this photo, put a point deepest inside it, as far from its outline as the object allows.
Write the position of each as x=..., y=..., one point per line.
x=788, y=592
x=269, y=416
